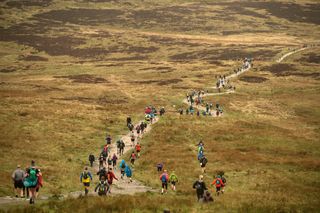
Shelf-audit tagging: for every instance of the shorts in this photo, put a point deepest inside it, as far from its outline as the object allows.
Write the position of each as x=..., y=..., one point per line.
x=122, y=171
x=18, y=184
x=218, y=189
x=132, y=140
x=173, y=183
x=132, y=161
x=86, y=184
x=138, y=151
x=165, y=185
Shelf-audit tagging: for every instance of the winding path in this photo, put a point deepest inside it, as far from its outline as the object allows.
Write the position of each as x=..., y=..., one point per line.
x=123, y=186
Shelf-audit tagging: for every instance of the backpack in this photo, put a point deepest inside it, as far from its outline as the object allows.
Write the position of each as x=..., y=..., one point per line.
x=85, y=175
x=32, y=174
x=224, y=180
x=133, y=156
x=123, y=166
x=163, y=178
x=218, y=182
x=102, y=187
x=204, y=161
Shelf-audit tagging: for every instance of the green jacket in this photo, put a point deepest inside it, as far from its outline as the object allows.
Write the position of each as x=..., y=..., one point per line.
x=173, y=177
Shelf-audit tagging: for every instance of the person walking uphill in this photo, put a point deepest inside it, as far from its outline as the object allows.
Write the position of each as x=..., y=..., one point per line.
x=110, y=177
x=173, y=180
x=200, y=187
x=17, y=177
x=31, y=181
x=164, y=177
x=128, y=172
x=218, y=182
x=86, y=178
x=91, y=159
x=102, y=187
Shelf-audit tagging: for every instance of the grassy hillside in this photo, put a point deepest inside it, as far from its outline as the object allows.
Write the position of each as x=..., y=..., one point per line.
x=70, y=71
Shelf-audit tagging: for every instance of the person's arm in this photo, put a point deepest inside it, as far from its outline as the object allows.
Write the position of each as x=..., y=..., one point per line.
x=81, y=177
x=114, y=176
x=194, y=185
x=13, y=175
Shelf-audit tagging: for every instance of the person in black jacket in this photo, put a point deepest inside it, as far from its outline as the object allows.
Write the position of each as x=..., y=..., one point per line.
x=200, y=187
x=91, y=159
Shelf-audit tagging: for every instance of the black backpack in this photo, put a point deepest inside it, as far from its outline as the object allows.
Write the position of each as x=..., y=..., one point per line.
x=85, y=175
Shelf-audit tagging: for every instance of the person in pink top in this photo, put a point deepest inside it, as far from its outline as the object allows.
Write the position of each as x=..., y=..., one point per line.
x=164, y=177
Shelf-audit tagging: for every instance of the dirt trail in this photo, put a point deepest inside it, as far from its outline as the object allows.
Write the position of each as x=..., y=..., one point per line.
x=237, y=74
x=122, y=186
x=290, y=53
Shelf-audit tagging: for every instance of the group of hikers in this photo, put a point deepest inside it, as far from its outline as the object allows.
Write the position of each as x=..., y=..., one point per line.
x=198, y=107
x=27, y=182
x=108, y=161
x=219, y=181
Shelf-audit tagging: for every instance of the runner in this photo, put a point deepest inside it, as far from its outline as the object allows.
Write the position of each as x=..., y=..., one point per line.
x=118, y=146
x=122, y=167
x=109, y=162
x=162, y=111
x=142, y=127
x=31, y=181
x=17, y=177
x=102, y=173
x=128, y=172
x=133, y=157
x=121, y=147
x=86, y=178
x=128, y=121
x=101, y=160
x=173, y=180
x=200, y=187
x=108, y=139
x=203, y=163
x=102, y=187
x=133, y=137
x=218, y=183
x=40, y=183
x=91, y=159
x=138, y=129
x=114, y=161
x=159, y=167
x=164, y=180
x=138, y=149
x=224, y=181
x=110, y=177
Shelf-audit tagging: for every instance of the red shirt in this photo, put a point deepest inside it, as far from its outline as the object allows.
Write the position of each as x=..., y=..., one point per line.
x=110, y=177
x=138, y=147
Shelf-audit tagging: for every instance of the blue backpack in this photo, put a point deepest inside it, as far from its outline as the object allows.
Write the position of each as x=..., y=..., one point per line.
x=163, y=178
x=217, y=182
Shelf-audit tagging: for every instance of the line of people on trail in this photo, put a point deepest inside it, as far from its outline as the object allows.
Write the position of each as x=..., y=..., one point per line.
x=219, y=181
x=28, y=182
x=209, y=111
x=108, y=162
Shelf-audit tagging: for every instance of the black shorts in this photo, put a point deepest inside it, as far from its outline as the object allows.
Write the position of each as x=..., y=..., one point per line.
x=173, y=183
x=165, y=185
x=122, y=171
x=18, y=184
x=132, y=160
x=86, y=184
x=138, y=151
x=132, y=140
x=218, y=189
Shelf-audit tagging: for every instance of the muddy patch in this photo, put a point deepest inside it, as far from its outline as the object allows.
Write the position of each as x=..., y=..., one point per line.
x=7, y=70
x=228, y=54
x=27, y=3
x=84, y=78
x=33, y=58
x=253, y=79
x=280, y=68
x=310, y=58
x=161, y=69
x=99, y=101
x=84, y=16
x=308, y=13
x=161, y=82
